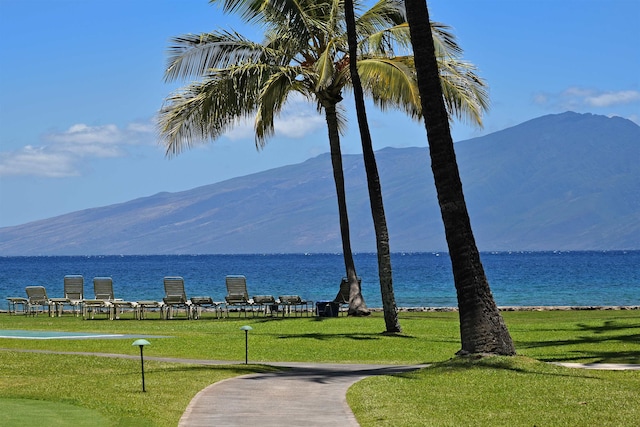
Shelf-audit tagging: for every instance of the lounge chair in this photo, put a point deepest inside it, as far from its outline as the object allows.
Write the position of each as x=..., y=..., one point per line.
x=198, y=303
x=237, y=294
x=265, y=304
x=14, y=302
x=149, y=305
x=295, y=303
x=175, y=297
x=73, y=295
x=101, y=303
x=37, y=300
x=105, y=300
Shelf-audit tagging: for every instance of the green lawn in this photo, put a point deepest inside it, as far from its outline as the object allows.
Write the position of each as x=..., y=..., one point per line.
x=500, y=388
x=498, y=391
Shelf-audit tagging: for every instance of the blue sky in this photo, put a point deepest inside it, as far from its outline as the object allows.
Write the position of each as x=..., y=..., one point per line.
x=81, y=82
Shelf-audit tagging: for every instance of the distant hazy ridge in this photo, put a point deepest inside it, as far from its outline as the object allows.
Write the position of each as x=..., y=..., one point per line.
x=559, y=182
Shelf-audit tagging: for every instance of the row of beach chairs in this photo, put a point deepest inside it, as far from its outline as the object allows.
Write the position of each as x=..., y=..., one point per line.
x=174, y=301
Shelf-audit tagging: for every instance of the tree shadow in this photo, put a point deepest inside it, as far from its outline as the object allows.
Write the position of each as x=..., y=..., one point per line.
x=594, y=336
x=235, y=368
x=608, y=326
x=331, y=373
x=353, y=336
x=518, y=364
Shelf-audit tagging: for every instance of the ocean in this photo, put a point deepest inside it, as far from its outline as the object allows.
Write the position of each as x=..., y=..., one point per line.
x=610, y=278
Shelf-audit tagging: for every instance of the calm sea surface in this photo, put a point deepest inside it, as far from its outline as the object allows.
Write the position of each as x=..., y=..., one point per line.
x=419, y=279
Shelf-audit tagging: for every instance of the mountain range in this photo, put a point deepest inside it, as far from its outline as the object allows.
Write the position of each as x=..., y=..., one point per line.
x=558, y=182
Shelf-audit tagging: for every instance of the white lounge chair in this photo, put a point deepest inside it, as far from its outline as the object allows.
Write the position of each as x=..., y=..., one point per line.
x=175, y=297
x=38, y=300
x=73, y=295
x=105, y=300
x=237, y=294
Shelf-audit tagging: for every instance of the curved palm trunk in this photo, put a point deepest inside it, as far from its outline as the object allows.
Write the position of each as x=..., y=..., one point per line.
x=373, y=181
x=357, y=306
x=482, y=329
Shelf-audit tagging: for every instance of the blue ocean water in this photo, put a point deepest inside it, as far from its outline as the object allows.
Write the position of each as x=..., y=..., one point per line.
x=419, y=279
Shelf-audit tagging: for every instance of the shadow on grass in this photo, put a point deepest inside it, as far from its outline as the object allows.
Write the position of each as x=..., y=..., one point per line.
x=356, y=337
x=589, y=343
x=263, y=319
x=517, y=364
x=608, y=326
x=236, y=369
x=622, y=357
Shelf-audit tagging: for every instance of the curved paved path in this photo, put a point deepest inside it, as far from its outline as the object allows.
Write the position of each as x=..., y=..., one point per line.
x=305, y=394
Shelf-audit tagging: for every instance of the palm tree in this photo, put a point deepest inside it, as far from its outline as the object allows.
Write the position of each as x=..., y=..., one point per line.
x=304, y=51
x=482, y=329
x=373, y=181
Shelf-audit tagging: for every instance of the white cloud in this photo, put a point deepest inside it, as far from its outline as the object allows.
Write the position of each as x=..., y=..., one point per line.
x=242, y=129
x=540, y=98
x=298, y=126
x=141, y=127
x=576, y=92
x=298, y=119
x=82, y=134
x=577, y=98
x=609, y=99
x=36, y=161
x=64, y=153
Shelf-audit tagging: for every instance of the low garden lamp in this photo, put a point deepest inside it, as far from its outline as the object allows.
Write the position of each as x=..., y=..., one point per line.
x=246, y=330
x=141, y=343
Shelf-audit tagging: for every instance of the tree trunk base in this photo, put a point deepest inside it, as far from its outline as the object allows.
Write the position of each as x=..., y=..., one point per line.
x=464, y=353
x=359, y=312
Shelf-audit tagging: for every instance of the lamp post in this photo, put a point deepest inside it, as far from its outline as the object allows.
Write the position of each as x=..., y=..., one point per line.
x=246, y=330
x=141, y=343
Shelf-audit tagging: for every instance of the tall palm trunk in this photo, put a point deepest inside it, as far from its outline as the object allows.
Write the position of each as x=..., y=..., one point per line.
x=357, y=305
x=373, y=181
x=482, y=329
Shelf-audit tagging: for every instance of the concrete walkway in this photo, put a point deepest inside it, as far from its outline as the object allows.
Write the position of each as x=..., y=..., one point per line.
x=304, y=394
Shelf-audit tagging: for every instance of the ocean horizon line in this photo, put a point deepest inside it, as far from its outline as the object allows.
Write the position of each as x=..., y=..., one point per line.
x=435, y=253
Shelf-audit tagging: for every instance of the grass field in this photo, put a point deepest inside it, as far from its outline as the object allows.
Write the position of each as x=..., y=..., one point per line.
x=484, y=391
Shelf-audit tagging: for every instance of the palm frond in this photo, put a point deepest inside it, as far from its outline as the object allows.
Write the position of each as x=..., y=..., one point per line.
x=191, y=55
x=325, y=66
x=296, y=14
x=207, y=109
x=382, y=15
x=186, y=119
x=249, y=10
x=387, y=41
x=391, y=82
x=465, y=93
x=275, y=91
x=445, y=41
x=396, y=39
